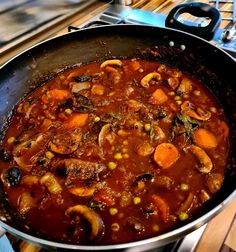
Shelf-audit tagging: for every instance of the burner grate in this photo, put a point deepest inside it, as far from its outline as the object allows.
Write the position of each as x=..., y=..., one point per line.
x=231, y=10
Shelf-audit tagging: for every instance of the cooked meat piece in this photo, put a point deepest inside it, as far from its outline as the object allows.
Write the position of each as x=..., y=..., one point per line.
x=77, y=170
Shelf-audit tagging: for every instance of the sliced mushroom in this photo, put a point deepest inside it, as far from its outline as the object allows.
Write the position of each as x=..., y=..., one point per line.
x=51, y=183
x=95, y=221
x=147, y=78
x=65, y=143
x=25, y=202
x=144, y=149
x=173, y=82
x=112, y=62
x=185, y=86
x=204, y=196
x=76, y=87
x=106, y=135
x=187, y=204
x=204, y=159
x=187, y=109
x=30, y=180
x=29, y=148
x=82, y=191
x=214, y=182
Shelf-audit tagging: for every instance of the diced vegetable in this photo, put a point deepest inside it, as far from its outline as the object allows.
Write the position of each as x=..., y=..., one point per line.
x=165, y=155
x=183, y=216
x=113, y=211
x=204, y=138
x=82, y=191
x=51, y=183
x=162, y=207
x=98, y=89
x=185, y=86
x=11, y=140
x=158, y=97
x=25, y=203
x=112, y=165
x=76, y=120
x=137, y=200
x=115, y=227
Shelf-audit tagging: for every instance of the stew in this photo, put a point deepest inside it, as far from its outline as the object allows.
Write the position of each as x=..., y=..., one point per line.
x=114, y=152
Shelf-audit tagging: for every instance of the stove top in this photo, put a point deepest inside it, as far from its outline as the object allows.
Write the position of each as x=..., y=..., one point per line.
x=118, y=14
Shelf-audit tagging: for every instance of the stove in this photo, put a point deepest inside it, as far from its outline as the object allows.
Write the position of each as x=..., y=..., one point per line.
x=119, y=14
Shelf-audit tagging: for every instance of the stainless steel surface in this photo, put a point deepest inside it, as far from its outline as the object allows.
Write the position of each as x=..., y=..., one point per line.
x=189, y=242
x=123, y=2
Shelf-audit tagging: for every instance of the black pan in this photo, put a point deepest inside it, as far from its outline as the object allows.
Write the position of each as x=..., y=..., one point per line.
x=212, y=66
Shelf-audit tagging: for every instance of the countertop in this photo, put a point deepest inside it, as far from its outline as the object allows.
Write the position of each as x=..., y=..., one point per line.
x=220, y=230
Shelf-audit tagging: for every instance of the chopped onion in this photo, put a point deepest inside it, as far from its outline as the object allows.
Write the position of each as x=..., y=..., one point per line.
x=76, y=87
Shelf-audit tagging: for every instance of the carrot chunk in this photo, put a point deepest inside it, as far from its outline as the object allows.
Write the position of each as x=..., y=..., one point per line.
x=165, y=155
x=76, y=121
x=205, y=139
x=162, y=207
x=158, y=97
x=55, y=95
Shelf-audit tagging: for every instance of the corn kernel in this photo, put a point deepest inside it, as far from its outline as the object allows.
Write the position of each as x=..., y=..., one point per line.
x=49, y=154
x=113, y=148
x=118, y=156
x=112, y=165
x=68, y=111
x=136, y=200
x=186, y=96
x=213, y=109
x=111, y=94
x=172, y=93
x=97, y=119
x=147, y=127
x=124, y=150
x=115, y=227
x=113, y=211
x=183, y=216
x=11, y=140
x=197, y=92
x=126, y=155
x=184, y=187
x=177, y=98
x=155, y=228
x=125, y=142
x=178, y=102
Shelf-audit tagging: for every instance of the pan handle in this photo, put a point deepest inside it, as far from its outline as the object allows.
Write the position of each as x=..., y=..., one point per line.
x=196, y=9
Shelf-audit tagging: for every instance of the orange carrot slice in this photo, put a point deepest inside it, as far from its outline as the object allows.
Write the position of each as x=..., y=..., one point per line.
x=162, y=206
x=158, y=97
x=205, y=139
x=76, y=120
x=165, y=155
